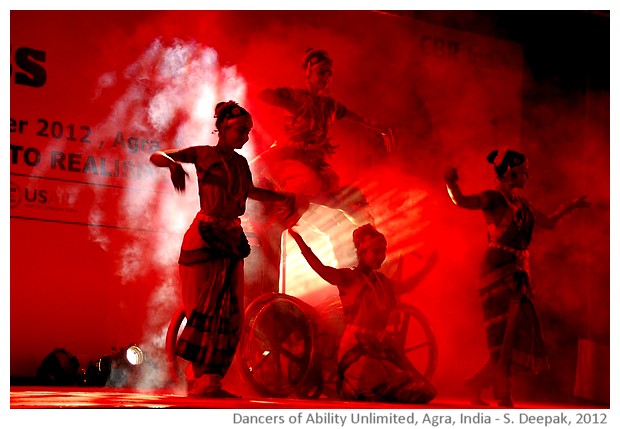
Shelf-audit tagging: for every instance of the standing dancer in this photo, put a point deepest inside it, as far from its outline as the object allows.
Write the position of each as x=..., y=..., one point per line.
x=214, y=246
x=514, y=336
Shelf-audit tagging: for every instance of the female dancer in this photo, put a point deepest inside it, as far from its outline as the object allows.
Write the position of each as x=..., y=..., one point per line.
x=371, y=367
x=214, y=246
x=299, y=163
x=312, y=113
x=514, y=336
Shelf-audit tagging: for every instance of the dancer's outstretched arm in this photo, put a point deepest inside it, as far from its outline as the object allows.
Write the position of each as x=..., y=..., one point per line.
x=471, y=202
x=329, y=274
x=550, y=221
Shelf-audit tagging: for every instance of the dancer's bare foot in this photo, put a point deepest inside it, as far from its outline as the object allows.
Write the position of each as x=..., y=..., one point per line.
x=474, y=391
x=506, y=402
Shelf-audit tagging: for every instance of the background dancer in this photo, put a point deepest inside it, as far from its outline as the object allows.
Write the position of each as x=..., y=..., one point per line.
x=514, y=336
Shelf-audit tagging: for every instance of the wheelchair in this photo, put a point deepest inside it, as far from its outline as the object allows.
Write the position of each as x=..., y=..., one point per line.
x=289, y=348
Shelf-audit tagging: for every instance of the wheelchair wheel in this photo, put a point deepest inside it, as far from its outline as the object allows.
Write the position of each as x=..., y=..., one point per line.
x=409, y=326
x=277, y=347
x=415, y=335
x=178, y=369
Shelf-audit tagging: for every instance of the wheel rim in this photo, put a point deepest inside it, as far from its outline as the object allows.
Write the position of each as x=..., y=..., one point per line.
x=277, y=351
x=177, y=370
x=415, y=335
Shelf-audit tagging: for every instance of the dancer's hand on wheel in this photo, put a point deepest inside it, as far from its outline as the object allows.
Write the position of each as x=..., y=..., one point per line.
x=292, y=210
x=388, y=140
x=294, y=234
x=451, y=175
x=290, y=202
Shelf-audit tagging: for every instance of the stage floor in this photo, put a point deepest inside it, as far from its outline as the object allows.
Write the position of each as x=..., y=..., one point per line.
x=43, y=397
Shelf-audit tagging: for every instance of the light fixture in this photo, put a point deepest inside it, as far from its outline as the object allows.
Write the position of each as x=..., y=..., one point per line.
x=134, y=355
x=118, y=369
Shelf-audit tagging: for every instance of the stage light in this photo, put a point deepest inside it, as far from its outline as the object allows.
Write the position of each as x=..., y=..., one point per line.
x=117, y=369
x=134, y=355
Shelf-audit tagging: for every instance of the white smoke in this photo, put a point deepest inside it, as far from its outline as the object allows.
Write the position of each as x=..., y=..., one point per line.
x=171, y=91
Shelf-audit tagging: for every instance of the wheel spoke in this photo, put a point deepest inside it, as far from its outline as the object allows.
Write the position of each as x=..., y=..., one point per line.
x=261, y=361
x=404, y=325
x=278, y=363
x=417, y=346
x=281, y=348
x=261, y=336
x=278, y=346
x=292, y=356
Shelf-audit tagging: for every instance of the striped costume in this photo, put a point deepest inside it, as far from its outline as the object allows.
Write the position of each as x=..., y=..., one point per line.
x=514, y=336
x=211, y=260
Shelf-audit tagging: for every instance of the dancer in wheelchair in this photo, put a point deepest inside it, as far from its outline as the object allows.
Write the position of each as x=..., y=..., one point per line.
x=514, y=336
x=371, y=367
x=214, y=246
x=299, y=162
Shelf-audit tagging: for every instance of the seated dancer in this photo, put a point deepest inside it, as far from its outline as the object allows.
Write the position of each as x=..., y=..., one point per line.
x=514, y=336
x=214, y=246
x=299, y=163
x=371, y=366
